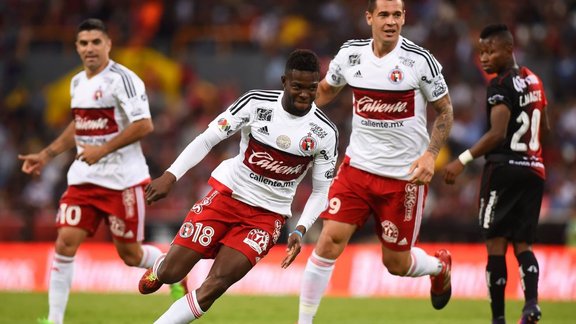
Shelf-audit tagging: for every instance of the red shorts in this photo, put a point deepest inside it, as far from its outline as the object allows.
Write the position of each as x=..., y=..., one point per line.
x=85, y=206
x=219, y=219
x=397, y=205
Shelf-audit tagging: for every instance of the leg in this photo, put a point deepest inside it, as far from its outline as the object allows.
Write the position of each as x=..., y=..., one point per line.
x=497, y=276
x=529, y=272
x=417, y=263
x=229, y=266
x=171, y=268
x=331, y=243
x=67, y=243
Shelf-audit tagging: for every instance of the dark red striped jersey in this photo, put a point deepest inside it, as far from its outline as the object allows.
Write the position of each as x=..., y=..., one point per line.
x=522, y=92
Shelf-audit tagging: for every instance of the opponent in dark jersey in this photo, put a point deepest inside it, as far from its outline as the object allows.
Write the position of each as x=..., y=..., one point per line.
x=513, y=178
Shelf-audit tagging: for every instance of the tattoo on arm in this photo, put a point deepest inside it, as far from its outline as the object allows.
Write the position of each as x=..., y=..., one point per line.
x=442, y=124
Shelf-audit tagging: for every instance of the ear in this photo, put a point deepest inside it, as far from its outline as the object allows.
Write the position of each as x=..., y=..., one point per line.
x=283, y=80
x=368, y=16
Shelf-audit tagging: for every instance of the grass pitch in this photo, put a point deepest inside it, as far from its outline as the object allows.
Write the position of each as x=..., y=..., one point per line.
x=134, y=308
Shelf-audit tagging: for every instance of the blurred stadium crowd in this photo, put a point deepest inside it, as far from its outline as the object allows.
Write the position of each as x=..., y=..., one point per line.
x=169, y=37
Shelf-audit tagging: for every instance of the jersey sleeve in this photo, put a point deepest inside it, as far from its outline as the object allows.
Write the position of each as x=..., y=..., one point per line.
x=432, y=82
x=497, y=93
x=334, y=75
x=234, y=118
x=323, y=171
x=130, y=92
x=223, y=126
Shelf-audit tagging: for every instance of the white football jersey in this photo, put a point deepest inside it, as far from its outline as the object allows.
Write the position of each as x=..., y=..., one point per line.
x=276, y=150
x=389, y=125
x=102, y=107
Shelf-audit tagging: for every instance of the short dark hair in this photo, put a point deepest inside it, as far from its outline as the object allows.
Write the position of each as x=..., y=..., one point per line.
x=93, y=24
x=497, y=30
x=303, y=60
x=372, y=5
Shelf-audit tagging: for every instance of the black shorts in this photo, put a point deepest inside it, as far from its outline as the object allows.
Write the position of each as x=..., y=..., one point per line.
x=510, y=199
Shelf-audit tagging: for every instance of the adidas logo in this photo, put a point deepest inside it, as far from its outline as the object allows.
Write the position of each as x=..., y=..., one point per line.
x=402, y=241
x=263, y=130
x=358, y=74
x=532, y=269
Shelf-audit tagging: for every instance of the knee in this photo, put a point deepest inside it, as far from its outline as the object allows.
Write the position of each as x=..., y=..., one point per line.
x=330, y=247
x=396, y=266
x=396, y=269
x=66, y=245
x=130, y=258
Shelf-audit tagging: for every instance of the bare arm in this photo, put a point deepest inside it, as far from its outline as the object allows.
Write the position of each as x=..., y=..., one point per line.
x=326, y=93
x=442, y=124
x=499, y=118
x=34, y=163
x=134, y=132
x=422, y=169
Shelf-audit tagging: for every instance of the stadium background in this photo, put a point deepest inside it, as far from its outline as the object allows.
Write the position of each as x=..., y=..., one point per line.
x=196, y=57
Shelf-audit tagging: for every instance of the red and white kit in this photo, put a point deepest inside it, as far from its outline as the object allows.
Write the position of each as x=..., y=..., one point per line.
x=276, y=150
x=390, y=95
x=111, y=189
x=102, y=107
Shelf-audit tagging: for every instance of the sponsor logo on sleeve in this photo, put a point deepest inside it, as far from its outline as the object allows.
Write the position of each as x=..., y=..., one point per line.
x=223, y=124
x=440, y=87
x=330, y=173
x=495, y=99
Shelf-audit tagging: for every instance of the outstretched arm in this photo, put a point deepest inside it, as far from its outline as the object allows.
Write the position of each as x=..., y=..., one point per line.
x=422, y=169
x=34, y=163
x=192, y=155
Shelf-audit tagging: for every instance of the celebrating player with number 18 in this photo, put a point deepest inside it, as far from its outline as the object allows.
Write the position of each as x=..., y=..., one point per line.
x=283, y=134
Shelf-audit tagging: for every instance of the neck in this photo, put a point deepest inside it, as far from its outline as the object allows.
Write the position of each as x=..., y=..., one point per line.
x=92, y=72
x=381, y=49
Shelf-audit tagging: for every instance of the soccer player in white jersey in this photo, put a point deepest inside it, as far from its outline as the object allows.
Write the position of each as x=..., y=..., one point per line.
x=106, y=180
x=390, y=158
x=283, y=134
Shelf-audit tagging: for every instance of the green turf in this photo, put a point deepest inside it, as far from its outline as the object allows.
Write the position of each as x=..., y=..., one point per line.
x=133, y=308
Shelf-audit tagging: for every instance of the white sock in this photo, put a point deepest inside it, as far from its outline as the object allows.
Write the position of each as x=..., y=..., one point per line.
x=149, y=254
x=59, y=287
x=184, y=310
x=314, y=283
x=423, y=264
x=157, y=264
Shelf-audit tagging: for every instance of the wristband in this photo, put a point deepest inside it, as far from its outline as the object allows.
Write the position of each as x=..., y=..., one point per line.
x=297, y=232
x=466, y=157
